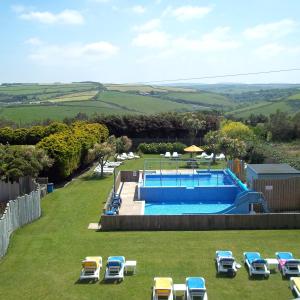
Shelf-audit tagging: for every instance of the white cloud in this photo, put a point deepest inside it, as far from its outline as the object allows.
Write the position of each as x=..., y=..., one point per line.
x=188, y=12
x=139, y=9
x=48, y=54
x=34, y=41
x=66, y=16
x=148, y=26
x=217, y=40
x=271, y=50
x=271, y=30
x=152, y=39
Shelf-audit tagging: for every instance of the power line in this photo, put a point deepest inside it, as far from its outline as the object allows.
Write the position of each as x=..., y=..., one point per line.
x=217, y=76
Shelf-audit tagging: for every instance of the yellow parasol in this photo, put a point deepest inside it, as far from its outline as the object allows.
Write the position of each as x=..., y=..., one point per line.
x=193, y=149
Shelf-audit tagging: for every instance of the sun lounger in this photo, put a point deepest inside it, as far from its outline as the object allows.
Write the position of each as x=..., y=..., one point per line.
x=209, y=156
x=256, y=264
x=91, y=267
x=226, y=263
x=295, y=285
x=163, y=288
x=115, y=268
x=202, y=155
x=167, y=155
x=195, y=288
x=287, y=264
x=220, y=156
x=175, y=155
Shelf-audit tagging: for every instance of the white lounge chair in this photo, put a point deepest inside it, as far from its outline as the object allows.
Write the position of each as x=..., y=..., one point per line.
x=175, y=155
x=163, y=288
x=195, y=288
x=256, y=264
x=287, y=264
x=209, y=156
x=167, y=155
x=115, y=268
x=91, y=267
x=226, y=263
x=295, y=285
x=202, y=155
x=220, y=156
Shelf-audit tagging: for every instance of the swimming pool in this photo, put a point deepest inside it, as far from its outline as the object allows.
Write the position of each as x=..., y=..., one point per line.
x=188, y=180
x=203, y=192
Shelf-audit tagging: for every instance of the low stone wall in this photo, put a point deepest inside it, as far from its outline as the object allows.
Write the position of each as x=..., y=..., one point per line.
x=201, y=222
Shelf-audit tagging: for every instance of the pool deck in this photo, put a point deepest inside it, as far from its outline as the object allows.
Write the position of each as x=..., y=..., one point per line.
x=130, y=206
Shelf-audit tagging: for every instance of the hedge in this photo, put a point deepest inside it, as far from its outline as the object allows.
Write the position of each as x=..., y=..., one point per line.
x=69, y=147
x=159, y=148
x=29, y=136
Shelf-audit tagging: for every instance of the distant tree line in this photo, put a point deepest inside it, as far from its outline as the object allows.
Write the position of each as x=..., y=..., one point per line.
x=163, y=125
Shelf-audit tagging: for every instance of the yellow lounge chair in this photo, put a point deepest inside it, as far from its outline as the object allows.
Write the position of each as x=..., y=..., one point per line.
x=91, y=267
x=163, y=288
x=295, y=285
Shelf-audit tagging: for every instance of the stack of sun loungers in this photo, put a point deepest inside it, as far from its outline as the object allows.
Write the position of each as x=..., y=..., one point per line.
x=116, y=268
x=114, y=206
x=124, y=156
x=108, y=168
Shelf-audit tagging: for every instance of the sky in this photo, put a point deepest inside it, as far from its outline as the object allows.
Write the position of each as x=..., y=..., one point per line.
x=128, y=41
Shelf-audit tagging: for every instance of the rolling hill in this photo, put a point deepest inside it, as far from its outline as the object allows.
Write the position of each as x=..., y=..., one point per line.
x=25, y=103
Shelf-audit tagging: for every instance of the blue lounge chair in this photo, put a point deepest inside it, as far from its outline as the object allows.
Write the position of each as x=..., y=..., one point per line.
x=256, y=264
x=115, y=268
x=195, y=288
x=287, y=264
x=226, y=263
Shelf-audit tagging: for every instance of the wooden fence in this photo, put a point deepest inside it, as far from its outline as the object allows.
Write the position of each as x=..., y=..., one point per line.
x=18, y=212
x=10, y=191
x=201, y=222
x=238, y=168
x=280, y=194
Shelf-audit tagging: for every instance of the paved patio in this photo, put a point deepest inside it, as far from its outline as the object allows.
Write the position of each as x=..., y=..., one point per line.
x=130, y=206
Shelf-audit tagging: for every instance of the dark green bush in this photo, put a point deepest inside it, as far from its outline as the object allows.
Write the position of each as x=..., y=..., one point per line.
x=159, y=148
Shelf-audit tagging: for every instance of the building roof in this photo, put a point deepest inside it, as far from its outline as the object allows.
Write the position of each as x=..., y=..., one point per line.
x=273, y=169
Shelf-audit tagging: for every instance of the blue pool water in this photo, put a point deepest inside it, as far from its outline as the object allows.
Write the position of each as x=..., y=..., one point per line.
x=188, y=180
x=183, y=208
x=201, y=193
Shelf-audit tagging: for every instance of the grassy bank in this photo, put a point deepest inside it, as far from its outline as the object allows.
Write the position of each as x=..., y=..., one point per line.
x=43, y=260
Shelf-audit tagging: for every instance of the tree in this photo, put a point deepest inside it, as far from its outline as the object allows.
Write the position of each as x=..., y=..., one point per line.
x=193, y=124
x=212, y=139
x=233, y=148
x=123, y=144
x=237, y=130
x=16, y=162
x=281, y=126
x=102, y=152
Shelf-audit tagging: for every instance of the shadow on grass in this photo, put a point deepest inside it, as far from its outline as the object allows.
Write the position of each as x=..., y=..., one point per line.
x=111, y=281
x=93, y=177
x=86, y=281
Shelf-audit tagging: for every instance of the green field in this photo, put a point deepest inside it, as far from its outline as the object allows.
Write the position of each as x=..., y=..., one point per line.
x=44, y=258
x=146, y=88
x=25, y=103
x=266, y=108
x=141, y=104
x=203, y=98
x=80, y=96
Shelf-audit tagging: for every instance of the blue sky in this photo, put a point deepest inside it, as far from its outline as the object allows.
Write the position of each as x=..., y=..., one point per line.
x=137, y=41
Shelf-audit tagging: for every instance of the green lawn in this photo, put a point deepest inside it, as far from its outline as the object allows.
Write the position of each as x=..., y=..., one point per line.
x=43, y=260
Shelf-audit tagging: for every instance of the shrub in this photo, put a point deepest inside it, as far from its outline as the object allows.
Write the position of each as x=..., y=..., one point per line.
x=69, y=148
x=158, y=148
